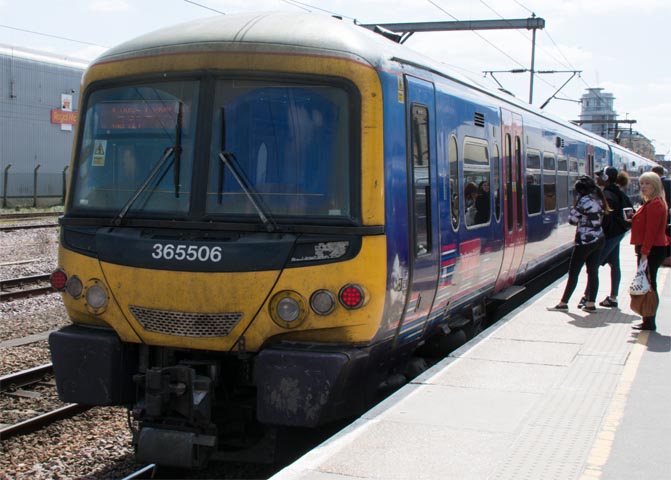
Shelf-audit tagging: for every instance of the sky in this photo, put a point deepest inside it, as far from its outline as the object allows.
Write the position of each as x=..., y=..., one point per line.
x=618, y=45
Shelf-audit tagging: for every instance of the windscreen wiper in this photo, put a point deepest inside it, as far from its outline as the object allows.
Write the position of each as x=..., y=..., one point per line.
x=228, y=159
x=157, y=168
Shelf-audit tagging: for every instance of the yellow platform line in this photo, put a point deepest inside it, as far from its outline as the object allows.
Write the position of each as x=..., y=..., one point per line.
x=603, y=444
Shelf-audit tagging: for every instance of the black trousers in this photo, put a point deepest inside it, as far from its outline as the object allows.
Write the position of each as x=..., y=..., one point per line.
x=584, y=255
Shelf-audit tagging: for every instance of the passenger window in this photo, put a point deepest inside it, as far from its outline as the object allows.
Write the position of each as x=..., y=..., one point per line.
x=533, y=182
x=562, y=182
x=509, y=181
x=477, y=187
x=496, y=186
x=518, y=180
x=549, y=183
x=421, y=179
x=455, y=197
x=572, y=178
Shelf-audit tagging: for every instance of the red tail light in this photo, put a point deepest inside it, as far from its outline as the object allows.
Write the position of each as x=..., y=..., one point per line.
x=58, y=279
x=351, y=296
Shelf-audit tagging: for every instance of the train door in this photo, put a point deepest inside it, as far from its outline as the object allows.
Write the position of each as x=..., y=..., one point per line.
x=423, y=236
x=514, y=223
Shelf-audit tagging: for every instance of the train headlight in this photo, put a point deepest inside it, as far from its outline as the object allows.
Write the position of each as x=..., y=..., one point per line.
x=351, y=296
x=74, y=286
x=322, y=302
x=58, y=279
x=96, y=297
x=287, y=309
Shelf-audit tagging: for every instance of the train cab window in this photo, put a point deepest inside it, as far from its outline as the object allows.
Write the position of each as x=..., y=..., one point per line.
x=477, y=187
x=280, y=150
x=549, y=183
x=455, y=196
x=533, y=182
x=562, y=182
x=420, y=152
x=136, y=153
x=496, y=185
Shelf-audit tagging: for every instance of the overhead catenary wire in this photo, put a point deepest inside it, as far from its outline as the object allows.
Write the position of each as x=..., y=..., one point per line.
x=52, y=36
x=205, y=7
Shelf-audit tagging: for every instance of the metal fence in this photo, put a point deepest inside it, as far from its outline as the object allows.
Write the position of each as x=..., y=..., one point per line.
x=33, y=189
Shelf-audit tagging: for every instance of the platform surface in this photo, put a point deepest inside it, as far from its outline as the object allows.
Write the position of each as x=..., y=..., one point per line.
x=540, y=395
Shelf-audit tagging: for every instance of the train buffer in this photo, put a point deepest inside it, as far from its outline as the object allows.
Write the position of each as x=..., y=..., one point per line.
x=541, y=394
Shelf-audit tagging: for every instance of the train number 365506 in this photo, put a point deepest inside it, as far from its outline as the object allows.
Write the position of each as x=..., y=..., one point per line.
x=191, y=253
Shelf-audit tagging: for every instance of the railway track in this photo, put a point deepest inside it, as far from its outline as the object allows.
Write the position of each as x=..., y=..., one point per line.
x=23, y=287
x=11, y=228
x=15, y=384
x=28, y=216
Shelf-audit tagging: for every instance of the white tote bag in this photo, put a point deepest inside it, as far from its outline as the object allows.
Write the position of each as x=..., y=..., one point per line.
x=640, y=285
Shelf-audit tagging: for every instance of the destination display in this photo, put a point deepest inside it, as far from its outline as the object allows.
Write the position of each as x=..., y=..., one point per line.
x=145, y=115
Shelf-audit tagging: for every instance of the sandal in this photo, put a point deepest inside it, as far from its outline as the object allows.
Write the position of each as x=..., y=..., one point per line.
x=591, y=309
x=582, y=302
x=609, y=302
x=559, y=307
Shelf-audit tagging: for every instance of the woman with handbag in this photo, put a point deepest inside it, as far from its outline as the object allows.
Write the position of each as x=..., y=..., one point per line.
x=648, y=234
x=587, y=214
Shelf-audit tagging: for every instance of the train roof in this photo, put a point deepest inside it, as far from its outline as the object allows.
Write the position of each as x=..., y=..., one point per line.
x=278, y=30
x=303, y=33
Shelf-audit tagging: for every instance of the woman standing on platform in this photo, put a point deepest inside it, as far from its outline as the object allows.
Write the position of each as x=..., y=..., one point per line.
x=648, y=233
x=587, y=214
x=615, y=226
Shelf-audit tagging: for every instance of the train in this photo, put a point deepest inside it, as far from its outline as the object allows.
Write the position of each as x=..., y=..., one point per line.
x=272, y=218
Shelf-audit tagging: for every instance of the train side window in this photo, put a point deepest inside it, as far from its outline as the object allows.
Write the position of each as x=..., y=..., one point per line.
x=496, y=186
x=421, y=179
x=533, y=182
x=518, y=180
x=573, y=170
x=455, y=197
x=477, y=187
x=509, y=181
x=549, y=183
x=562, y=182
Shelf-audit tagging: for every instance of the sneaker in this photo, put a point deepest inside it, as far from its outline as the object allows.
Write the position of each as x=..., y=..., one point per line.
x=587, y=309
x=559, y=307
x=582, y=302
x=609, y=302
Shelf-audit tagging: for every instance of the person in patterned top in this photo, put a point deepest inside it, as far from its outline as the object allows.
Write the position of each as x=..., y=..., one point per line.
x=587, y=214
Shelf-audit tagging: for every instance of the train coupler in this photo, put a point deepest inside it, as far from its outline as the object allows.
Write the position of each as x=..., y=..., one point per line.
x=176, y=391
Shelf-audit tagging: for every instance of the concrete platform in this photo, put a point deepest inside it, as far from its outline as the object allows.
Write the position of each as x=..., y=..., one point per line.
x=541, y=395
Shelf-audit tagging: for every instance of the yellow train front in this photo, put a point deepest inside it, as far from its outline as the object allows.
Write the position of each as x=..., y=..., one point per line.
x=222, y=253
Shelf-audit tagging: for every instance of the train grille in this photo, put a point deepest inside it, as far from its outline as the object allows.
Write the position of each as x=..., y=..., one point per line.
x=186, y=324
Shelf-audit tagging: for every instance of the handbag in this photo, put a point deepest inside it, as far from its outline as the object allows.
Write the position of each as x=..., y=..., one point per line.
x=640, y=285
x=645, y=305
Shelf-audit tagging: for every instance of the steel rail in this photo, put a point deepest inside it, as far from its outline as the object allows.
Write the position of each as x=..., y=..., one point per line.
x=22, y=216
x=11, y=228
x=26, y=377
x=33, y=424
x=14, y=288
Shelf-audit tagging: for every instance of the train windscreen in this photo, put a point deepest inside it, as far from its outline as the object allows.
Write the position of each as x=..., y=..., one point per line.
x=280, y=148
x=136, y=150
